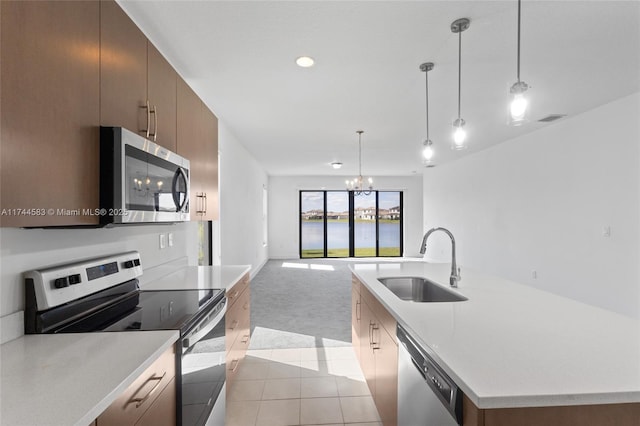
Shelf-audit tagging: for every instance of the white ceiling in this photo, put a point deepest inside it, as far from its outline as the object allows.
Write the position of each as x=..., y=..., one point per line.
x=239, y=57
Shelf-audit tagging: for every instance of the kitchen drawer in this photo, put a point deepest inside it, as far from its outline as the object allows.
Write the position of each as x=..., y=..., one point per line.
x=163, y=410
x=237, y=289
x=132, y=404
x=237, y=317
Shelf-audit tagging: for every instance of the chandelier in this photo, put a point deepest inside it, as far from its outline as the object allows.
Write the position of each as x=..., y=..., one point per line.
x=357, y=185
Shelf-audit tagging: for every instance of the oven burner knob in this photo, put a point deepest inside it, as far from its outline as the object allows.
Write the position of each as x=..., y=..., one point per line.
x=61, y=282
x=75, y=279
x=129, y=264
x=136, y=262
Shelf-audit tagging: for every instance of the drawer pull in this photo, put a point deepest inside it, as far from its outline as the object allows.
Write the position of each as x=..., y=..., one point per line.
x=233, y=296
x=245, y=338
x=246, y=305
x=140, y=401
x=235, y=366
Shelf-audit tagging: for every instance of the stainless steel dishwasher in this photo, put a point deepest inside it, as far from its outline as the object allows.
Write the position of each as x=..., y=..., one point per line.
x=426, y=395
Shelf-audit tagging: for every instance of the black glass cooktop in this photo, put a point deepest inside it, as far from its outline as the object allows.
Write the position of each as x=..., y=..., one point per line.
x=125, y=307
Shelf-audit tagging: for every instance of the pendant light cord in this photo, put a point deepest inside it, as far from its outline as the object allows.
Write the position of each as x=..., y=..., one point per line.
x=426, y=75
x=518, y=41
x=459, y=65
x=360, y=156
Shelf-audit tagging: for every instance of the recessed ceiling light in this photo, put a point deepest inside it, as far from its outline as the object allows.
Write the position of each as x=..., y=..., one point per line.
x=305, y=61
x=336, y=165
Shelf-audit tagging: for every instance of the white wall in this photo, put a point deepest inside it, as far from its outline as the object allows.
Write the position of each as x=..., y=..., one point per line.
x=241, y=184
x=26, y=249
x=284, y=209
x=540, y=202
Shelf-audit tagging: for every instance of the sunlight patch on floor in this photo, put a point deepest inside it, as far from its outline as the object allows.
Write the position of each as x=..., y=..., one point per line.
x=318, y=267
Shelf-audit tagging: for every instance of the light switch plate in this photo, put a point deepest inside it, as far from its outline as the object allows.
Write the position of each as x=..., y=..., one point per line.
x=163, y=241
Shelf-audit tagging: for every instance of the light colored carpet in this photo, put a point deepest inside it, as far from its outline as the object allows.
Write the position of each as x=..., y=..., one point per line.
x=301, y=303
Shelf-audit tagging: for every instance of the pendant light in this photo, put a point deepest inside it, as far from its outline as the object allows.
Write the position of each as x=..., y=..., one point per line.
x=357, y=185
x=519, y=103
x=427, y=151
x=459, y=133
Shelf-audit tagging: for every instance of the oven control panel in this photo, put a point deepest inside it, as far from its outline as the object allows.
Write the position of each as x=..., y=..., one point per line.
x=56, y=285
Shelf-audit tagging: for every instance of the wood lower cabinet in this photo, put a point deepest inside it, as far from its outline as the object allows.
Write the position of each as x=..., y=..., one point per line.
x=237, y=327
x=197, y=140
x=600, y=415
x=50, y=78
x=149, y=400
x=378, y=351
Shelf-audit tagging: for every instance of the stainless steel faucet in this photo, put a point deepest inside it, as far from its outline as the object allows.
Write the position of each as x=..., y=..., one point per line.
x=455, y=271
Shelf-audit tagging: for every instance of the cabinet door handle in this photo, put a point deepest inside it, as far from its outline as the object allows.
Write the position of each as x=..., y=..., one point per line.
x=375, y=345
x=372, y=343
x=245, y=306
x=201, y=198
x=370, y=333
x=357, y=313
x=204, y=194
x=146, y=131
x=235, y=366
x=235, y=293
x=245, y=338
x=153, y=111
x=140, y=401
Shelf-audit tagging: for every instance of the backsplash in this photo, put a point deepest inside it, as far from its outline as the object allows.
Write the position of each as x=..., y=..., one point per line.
x=27, y=249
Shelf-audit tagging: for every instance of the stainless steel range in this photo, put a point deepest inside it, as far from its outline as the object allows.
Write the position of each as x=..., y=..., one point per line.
x=102, y=295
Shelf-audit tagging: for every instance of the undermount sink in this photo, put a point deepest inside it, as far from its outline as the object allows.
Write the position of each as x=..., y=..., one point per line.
x=419, y=289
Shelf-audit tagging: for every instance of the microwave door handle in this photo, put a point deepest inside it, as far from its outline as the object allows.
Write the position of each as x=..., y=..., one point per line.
x=174, y=189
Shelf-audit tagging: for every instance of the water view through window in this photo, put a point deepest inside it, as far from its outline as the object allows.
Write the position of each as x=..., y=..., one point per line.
x=341, y=224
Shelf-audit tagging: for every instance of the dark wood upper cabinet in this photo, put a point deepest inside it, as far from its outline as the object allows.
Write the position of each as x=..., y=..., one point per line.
x=210, y=169
x=123, y=70
x=198, y=141
x=68, y=67
x=162, y=86
x=50, y=56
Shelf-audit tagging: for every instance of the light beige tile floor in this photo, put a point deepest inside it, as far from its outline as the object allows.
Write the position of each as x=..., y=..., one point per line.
x=307, y=386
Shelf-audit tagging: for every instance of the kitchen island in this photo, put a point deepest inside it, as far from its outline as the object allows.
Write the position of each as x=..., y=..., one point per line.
x=511, y=346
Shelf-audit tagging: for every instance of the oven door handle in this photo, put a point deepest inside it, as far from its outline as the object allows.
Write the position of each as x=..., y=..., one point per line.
x=204, y=326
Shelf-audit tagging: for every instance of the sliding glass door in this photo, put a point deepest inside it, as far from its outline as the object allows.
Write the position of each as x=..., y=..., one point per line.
x=343, y=224
x=337, y=223
x=312, y=207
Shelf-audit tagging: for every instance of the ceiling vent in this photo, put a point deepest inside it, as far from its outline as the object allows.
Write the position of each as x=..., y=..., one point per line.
x=552, y=117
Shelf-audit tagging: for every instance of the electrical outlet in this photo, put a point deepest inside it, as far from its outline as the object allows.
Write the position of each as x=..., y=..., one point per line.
x=170, y=235
x=163, y=241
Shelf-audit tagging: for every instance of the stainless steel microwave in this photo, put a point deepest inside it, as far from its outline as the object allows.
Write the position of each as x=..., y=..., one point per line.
x=140, y=182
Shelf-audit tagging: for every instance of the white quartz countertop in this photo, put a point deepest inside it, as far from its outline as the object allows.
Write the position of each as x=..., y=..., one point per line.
x=70, y=379
x=511, y=345
x=199, y=277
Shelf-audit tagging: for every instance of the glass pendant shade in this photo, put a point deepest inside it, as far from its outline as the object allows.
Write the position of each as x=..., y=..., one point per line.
x=459, y=135
x=518, y=108
x=427, y=152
